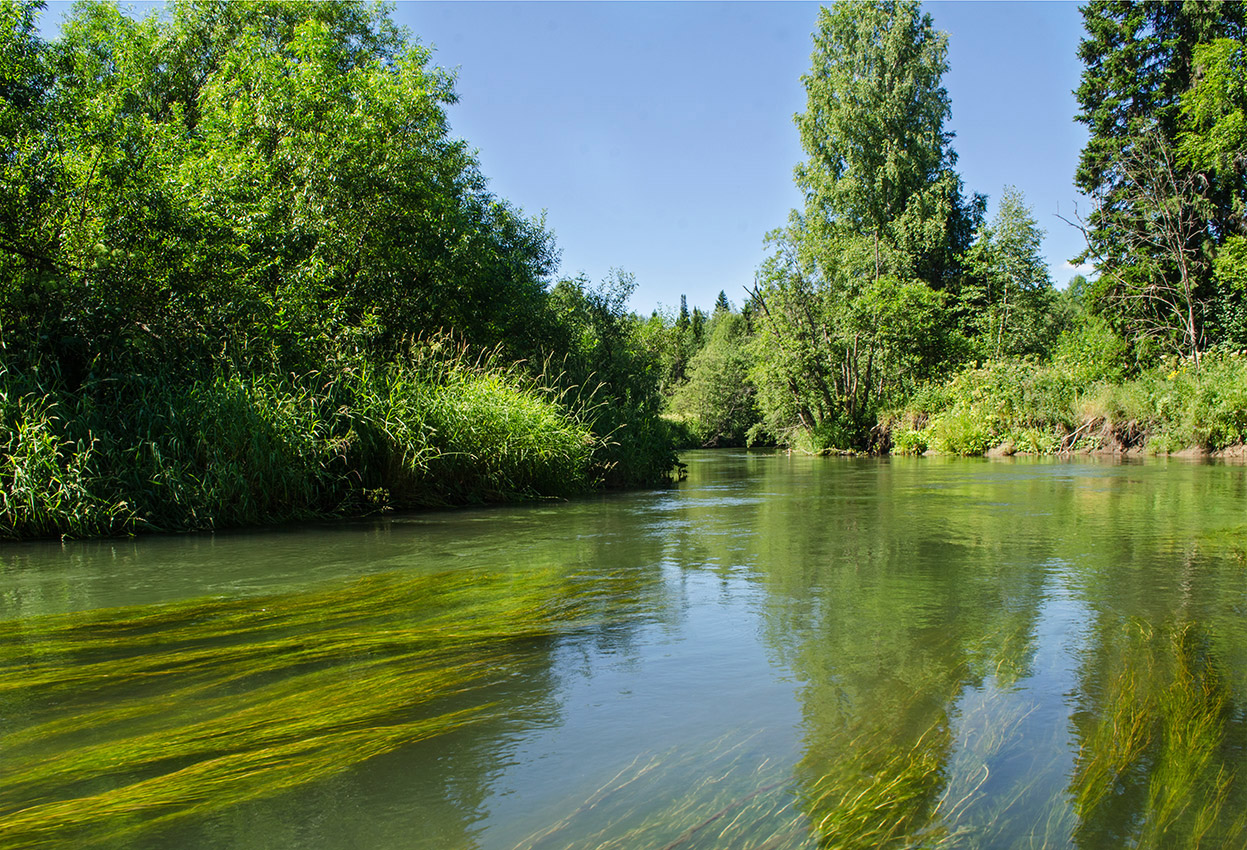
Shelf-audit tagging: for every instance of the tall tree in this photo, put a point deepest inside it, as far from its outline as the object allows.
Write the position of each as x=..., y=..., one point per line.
x=1214, y=141
x=1009, y=295
x=1140, y=61
x=850, y=306
x=269, y=178
x=880, y=163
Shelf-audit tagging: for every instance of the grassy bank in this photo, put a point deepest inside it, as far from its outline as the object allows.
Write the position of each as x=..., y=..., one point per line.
x=119, y=456
x=1019, y=406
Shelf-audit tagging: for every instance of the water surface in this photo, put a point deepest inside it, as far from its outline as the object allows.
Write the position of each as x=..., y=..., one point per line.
x=781, y=652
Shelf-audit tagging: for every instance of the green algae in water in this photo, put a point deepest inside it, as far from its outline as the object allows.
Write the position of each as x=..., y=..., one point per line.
x=137, y=717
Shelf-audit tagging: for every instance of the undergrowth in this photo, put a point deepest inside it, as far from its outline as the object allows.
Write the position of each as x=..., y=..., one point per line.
x=1042, y=408
x=437, y=427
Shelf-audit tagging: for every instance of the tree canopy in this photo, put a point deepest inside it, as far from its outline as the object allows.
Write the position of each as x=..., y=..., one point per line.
x=270, y=178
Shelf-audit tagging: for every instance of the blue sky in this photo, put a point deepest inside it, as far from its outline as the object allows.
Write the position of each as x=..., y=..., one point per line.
x=658, y=137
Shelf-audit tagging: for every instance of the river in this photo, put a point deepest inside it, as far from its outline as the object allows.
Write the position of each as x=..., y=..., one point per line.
x=779, y=652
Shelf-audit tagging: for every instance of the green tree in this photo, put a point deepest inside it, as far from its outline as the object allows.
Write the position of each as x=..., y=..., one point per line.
x=611, y=378
x=1140, y=62
x=880, y=163
x=271, y=179
x=719, y=401
x=1213, y=141
x=1010, y=295
x=849, y=306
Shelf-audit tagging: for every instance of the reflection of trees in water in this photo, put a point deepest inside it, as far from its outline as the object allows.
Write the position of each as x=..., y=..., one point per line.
x=891, y=621
x=1161, y=740
x=906, y=599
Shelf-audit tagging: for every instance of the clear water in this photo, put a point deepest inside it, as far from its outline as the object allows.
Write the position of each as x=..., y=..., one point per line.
x=780, y=652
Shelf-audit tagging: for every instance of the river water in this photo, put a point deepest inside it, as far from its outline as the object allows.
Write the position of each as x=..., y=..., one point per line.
x=779, y=652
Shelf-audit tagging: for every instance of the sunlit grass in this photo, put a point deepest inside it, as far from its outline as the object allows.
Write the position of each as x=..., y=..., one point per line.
x=435, y=427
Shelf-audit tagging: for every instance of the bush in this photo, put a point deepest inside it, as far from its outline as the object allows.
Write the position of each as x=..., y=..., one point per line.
x=1091, y=352
x=1027, y=404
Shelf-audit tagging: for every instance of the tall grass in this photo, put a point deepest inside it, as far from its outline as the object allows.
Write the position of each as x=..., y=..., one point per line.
x=437, y=427
x=1047, y=408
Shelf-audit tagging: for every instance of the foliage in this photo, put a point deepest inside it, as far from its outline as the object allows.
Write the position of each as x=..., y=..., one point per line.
x=265, y=179
x=829, y=353
x=1157, y=289
x=1091, y=352
x=220, y=230
x=1007, y=297
x=1157, y=223
x=880, y=162
x=1215, y=134
x=719, y=401
x=435, y=427
x=1178, y=407
x=675, y=339
x=611, y=379
x=850, y=308
x=1075, y=405
x=1018, y=403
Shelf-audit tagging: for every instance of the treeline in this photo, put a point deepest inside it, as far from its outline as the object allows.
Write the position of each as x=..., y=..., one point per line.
x=892, y=316
x=247, y=275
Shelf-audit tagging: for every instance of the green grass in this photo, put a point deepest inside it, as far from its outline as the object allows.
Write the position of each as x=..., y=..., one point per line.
x=1042, y=408
x=153, y=453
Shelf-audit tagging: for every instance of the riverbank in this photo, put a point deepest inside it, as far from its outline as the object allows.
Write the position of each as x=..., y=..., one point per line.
x=150, y=453
x=1024, y=407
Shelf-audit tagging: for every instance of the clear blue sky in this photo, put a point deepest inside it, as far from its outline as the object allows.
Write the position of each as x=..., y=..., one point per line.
x=658, y=137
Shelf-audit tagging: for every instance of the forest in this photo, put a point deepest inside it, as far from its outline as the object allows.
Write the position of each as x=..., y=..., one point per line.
x=247, y=275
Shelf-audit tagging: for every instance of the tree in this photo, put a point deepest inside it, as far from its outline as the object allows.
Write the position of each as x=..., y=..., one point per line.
x=1214, y=141
x=1149, y=251
x=849, y=307
x=1010, y=293
x=269, y=179
x=719, y=401
x=611, y=378
x=1141, y=61
x=829, y=356
x=880, y=163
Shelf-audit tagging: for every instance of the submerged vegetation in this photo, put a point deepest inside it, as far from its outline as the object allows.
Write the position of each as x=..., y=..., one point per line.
x=245, y=698
x=1158, y=737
